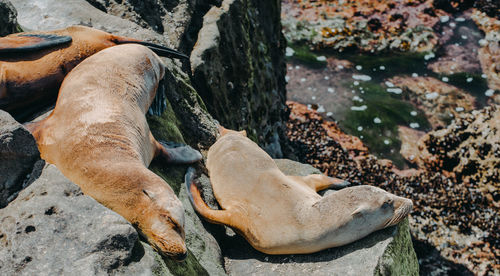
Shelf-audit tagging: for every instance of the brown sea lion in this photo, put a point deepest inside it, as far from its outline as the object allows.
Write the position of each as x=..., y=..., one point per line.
x=97, y=135
x=279, y=214
x=34, y=64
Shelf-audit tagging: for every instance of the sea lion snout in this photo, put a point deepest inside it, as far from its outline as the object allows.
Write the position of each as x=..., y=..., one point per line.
x=402, y=208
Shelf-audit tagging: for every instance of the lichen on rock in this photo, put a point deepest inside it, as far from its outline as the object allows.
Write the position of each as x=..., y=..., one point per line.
x=239, y=68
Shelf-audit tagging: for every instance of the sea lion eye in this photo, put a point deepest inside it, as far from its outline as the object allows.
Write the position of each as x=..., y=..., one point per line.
x=387, y=203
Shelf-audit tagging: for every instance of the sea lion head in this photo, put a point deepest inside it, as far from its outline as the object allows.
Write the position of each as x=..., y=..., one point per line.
x=163, y=224
x=367, y=208
x=224, y=131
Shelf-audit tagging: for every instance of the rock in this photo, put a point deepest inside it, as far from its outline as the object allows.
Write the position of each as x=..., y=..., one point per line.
x=385, y=252
x=184, y=120
x=52, y=228
x=440, y=101
x=469, y=147
x=240, y=90
x=489, y=53
x=409, y=148
x=18, y=156
x=51, y=14
x=365, y=25
x=348, y=142
x=170, y=18
x=8, y=22
x=490, y=7
x=459, y=58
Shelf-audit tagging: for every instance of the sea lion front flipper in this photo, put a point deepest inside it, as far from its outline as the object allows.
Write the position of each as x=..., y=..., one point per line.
x=319, y=182
x=24, y=43
x=177, y=153
x=213, y=216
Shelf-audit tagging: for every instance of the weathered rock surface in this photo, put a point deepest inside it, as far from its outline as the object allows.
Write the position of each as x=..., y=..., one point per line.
x=440, y=101
x=469, y=147
x=18, y=155
x=489, y=53
x=350, y=143
x=369, y=26
x=52, y=14
x=239, y=69
x=460, y=47
x=8, y=22
x=451, y=238
x=170, y=18
x=385, y=252
x=52, y=228
x=409, y=139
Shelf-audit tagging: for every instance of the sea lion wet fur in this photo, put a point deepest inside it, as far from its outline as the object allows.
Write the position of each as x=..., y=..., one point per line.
x=98, y=137
x=279, y=214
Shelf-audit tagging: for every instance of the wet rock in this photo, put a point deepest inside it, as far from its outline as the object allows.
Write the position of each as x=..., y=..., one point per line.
x=18, y=155
x=350, y=143
x=459, y=55
x=239, y=70
x=409, y=147
x=489, y=53
x=365, y=25
x=469, y=147
x=440, y=101
x=385, y=252
x=454, y=222
x=8, y=22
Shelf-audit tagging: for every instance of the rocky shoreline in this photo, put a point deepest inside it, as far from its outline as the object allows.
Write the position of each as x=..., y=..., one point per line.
x=50, y=227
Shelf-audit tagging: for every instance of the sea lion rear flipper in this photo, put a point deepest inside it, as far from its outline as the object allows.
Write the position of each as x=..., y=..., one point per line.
x=160, y=50
x=24, y=43
x=177, y=153
x=319, y=182
x=213, y=216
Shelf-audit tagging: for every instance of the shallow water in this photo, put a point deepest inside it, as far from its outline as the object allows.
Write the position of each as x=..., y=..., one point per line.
x=362, y=101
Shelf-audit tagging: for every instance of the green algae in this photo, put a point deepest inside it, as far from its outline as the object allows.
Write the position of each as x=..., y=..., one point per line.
x=399, y=258
x=381, y=138
x=306, y=56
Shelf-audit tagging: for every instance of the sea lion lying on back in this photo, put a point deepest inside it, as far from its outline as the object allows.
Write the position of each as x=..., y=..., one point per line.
x=98, y=137
x=279, y=214
x=34, y=64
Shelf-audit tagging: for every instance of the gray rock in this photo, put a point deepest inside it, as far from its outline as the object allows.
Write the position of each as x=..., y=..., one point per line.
x=18, y=155
x=8, y=22
x=386, y=252
x=165, y=17
x=239, y=69
x=51, y=228
x=53, y=14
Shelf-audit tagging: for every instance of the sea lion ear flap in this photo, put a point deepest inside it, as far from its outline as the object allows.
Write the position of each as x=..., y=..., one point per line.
x=24, y=43
x=222, y=130
x=359, y=211
x=243, y=132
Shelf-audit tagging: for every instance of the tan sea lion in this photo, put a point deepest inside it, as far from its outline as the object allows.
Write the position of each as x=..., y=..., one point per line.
x=98, y=137
x=279, y=214
x=34, y=64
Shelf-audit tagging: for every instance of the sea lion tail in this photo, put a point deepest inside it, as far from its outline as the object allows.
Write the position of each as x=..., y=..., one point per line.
x=158, y=49
x=195, y=196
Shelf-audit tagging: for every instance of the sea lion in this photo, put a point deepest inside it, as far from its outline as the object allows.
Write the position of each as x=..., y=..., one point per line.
x=279, y=214
x=98, y=137
x=33, y=64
